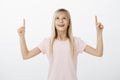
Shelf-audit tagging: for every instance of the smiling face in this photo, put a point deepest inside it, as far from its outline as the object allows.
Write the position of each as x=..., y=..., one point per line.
x=61, y=21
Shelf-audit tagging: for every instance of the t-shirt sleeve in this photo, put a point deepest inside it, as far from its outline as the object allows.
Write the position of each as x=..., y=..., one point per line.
x=43, y=46
x=80, y=45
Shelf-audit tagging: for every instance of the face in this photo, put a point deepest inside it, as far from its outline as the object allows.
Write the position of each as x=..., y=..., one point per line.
x=61, y=21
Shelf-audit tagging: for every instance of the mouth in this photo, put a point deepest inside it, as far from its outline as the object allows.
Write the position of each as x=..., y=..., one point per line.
x=61, y=25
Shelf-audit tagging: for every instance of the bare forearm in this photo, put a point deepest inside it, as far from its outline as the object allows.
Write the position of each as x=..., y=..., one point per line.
x=99, y=46
x=98, y=51
x=26, y=54
x=24, y=49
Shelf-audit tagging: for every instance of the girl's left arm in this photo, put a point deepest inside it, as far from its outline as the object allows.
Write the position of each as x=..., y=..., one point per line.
x=98, y=51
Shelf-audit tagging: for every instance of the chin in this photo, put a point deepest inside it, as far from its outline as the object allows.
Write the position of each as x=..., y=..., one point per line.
x=61, y=30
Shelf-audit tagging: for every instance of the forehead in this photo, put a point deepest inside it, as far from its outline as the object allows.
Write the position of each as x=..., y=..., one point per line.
x=62, y=13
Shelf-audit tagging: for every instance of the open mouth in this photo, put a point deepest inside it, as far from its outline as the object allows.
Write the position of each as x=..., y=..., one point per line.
x=61, y=25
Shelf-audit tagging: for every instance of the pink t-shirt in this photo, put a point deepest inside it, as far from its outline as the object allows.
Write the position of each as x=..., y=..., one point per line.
x=61, y=65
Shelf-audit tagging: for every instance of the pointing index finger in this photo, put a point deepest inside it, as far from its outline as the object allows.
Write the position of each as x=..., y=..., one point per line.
x=24, y=22
x=96, y=20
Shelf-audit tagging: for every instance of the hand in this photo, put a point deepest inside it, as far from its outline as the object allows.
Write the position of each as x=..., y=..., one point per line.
x=99, y=25
x=21, y=30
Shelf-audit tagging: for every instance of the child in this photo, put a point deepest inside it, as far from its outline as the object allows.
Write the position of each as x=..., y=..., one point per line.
x=62, y=47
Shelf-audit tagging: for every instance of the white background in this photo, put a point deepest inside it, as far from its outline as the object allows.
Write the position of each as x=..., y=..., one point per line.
x=38, y=15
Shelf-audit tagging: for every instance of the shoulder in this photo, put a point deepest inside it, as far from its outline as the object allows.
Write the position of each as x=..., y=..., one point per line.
x=76, y=38
x=79, y=44
x=45, y=41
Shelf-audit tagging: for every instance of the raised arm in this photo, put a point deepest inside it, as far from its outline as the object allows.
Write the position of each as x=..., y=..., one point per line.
x=98, y=51
x=26, y=54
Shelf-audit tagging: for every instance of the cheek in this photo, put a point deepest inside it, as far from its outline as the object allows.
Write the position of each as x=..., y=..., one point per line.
x=55, y=25
x=67, y=23
x=56, y=22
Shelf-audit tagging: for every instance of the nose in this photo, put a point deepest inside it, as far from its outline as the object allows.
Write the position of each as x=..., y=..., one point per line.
x=61, y=20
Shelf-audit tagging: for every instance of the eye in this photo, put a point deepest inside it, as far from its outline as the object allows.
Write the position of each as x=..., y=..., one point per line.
x=64, y=17
x=57, y=17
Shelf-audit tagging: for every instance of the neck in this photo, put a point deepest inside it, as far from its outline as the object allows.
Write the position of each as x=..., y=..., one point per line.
x=61, y=36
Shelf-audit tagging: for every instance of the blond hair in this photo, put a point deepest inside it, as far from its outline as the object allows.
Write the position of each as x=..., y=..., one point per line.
x=69, y=33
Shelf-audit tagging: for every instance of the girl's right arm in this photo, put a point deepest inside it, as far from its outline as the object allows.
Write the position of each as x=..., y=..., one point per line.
x=26, y=54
